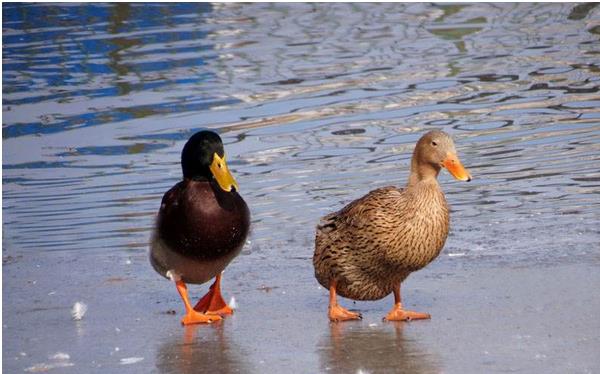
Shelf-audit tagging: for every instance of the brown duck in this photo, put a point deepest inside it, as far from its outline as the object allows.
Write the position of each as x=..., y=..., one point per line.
x=366, y=250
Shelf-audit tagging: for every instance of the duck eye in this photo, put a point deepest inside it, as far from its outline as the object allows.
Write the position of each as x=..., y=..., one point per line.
x=434, y=144
x=219, y=165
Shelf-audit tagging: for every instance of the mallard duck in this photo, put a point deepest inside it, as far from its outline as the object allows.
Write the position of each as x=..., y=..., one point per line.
x=365, y=250
x=201, y=226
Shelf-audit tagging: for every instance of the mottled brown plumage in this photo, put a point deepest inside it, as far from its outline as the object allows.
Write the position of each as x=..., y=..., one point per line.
x=369, y=247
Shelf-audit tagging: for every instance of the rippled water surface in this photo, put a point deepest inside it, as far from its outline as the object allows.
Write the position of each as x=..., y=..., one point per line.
x=317, y=104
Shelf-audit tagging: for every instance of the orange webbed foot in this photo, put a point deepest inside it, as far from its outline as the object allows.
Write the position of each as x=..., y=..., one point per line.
x=399, y=314
x=203, y=304
x=339, y=314
x=224, y=311
x=193, y=317
x=212, y=303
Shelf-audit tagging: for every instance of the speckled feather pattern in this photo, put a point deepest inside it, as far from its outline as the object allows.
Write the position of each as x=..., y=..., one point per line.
x=375, y=242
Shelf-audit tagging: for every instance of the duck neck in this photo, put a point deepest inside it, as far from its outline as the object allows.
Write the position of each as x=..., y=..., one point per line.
x=422, y=172
x=204, y=176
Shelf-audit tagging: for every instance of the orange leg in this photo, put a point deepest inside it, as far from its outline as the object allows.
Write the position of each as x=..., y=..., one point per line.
x=192, y=316
x=399, y=314
x=336, y=312
x=212, y=303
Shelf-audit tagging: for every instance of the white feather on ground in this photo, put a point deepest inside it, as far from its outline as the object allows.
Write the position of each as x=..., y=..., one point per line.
x=58, y=360
x=232, y=303
x=131, y=360
x=79, y=310
x=60, y=356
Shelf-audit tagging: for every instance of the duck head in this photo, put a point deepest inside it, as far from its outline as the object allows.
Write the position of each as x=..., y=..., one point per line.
x=203, y=158
x=434, y=151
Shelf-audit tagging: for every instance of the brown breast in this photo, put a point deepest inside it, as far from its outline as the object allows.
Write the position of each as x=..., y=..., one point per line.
x=199, y=220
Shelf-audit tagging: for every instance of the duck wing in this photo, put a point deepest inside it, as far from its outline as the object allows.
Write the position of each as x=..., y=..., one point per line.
x=360, y=217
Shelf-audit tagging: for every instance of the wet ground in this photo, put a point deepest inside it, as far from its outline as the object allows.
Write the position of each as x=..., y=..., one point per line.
x=317, y=105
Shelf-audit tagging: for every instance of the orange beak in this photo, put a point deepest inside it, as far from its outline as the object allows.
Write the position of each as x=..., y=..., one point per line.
x=456, y=168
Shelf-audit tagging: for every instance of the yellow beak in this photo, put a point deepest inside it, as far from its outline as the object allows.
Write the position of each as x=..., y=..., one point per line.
x=456, y=168
x=220, y=171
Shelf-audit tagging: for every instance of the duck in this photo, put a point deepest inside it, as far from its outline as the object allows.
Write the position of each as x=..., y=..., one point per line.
x=368, y=248
x=201, y=227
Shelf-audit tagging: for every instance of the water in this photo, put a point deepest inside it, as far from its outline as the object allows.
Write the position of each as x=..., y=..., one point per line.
x=317, y=104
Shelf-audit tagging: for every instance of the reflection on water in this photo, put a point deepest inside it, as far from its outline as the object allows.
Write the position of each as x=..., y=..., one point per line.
x=206, y=349
x=350, y=348
x=317, y=104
